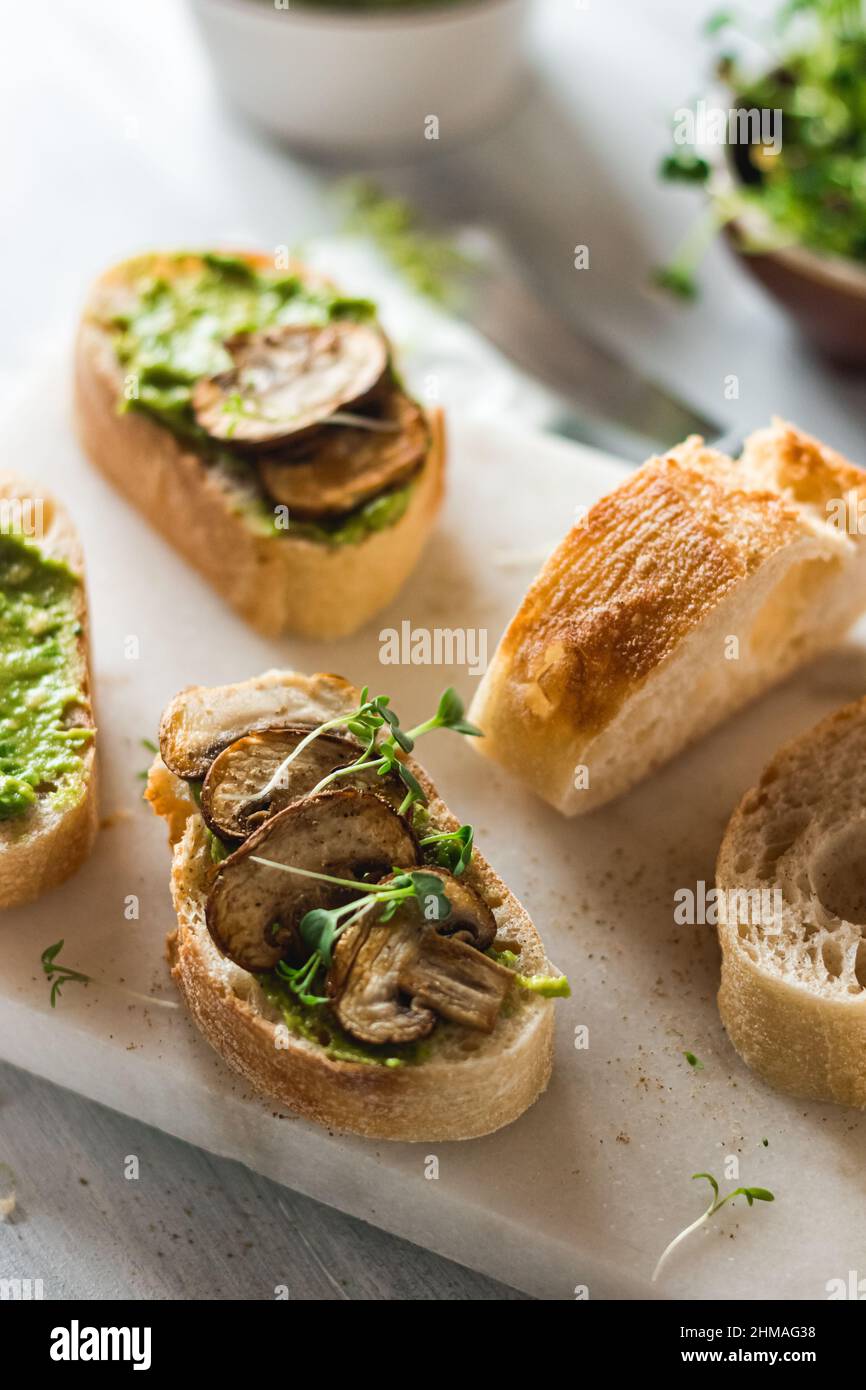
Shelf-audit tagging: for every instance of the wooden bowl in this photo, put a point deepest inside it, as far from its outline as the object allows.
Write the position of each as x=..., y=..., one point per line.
x=825, y=295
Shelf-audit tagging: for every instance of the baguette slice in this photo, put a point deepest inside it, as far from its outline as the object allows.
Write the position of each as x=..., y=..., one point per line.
x=686, y=592
x=278, y=584
x=48, y=844
x=469, y=1085
x=793, y=990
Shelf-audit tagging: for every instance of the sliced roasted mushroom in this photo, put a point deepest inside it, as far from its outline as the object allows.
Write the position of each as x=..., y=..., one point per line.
x=364, y=981
x=237, y=797
x=289, y=379
x=254, y=911
x=389, y=980
x=470, y=919
x=202, y=720
x=343, y=465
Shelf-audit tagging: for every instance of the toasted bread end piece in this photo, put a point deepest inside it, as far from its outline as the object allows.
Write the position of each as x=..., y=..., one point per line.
x=689, y=590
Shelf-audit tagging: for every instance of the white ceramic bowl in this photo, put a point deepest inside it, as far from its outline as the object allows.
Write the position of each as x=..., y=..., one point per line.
x=350, y=82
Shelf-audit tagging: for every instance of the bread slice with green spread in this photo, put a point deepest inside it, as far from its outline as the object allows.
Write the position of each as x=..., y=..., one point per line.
x=255, y=417
x=48, y=808
x=339, y=941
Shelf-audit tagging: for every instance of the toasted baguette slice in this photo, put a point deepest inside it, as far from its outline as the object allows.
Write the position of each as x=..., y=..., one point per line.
x=792, y=915
x=693, y=587
x=48, y=843
x=279, y=584
x=470, y=1083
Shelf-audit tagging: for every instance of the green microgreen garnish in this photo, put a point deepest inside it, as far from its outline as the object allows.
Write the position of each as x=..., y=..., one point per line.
x=366, y=722
x=434, y=265
x=299, y=978
x=693, y=1061
x=808, y=189
x=453, y=848
x=321, y=926
x=751, y=1194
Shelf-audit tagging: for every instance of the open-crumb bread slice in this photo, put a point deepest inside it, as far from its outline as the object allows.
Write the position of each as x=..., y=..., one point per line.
x=699, y=582
x=50, y=841
x=468, y=1083
x=792, y=915
x=277, y=580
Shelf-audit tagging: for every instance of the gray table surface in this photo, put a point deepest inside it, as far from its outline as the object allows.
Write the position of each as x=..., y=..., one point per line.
x=116, y=140
x=190, y=1226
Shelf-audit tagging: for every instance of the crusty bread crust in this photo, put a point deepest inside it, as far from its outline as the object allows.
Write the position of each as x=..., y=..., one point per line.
x=279, y=584
x=617, y=658
x=793, y=989
x=48, y=845
x=470, y=1085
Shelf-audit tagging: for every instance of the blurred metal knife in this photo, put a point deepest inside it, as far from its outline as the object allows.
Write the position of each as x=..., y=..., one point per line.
x=600, y=400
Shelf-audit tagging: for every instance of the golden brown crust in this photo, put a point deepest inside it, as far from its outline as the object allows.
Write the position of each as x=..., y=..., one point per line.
x=627, y=588
x=47, y=846
x=277, y=583
x=463, y=1090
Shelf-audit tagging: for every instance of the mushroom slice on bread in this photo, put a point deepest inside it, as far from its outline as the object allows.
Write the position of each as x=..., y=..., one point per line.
x=254, y=909
x=470, y=919
x=351, y=461
x=199, y=722
x=286, y=380
x=261, y=774
x=389, y=981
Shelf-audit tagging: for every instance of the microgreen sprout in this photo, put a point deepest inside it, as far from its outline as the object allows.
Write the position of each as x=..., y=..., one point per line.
x=751, y=1194
x=434, y=265
x=299, y=978
x=453, y=848
x=366, y=722
x=694, y=1062
x=59, y=975
x=321, y=927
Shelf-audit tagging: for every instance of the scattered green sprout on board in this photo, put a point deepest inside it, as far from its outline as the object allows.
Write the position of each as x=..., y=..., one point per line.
x=432, y=263
x=751, y=1194
x=60, y=975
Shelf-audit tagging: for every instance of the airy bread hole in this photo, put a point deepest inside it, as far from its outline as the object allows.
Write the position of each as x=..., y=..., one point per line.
x=832, y=957
x=837, y=873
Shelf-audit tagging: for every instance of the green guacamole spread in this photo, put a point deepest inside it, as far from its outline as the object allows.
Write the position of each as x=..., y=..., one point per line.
x=40, y=680
x=170, y=333
x=317, y=1024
